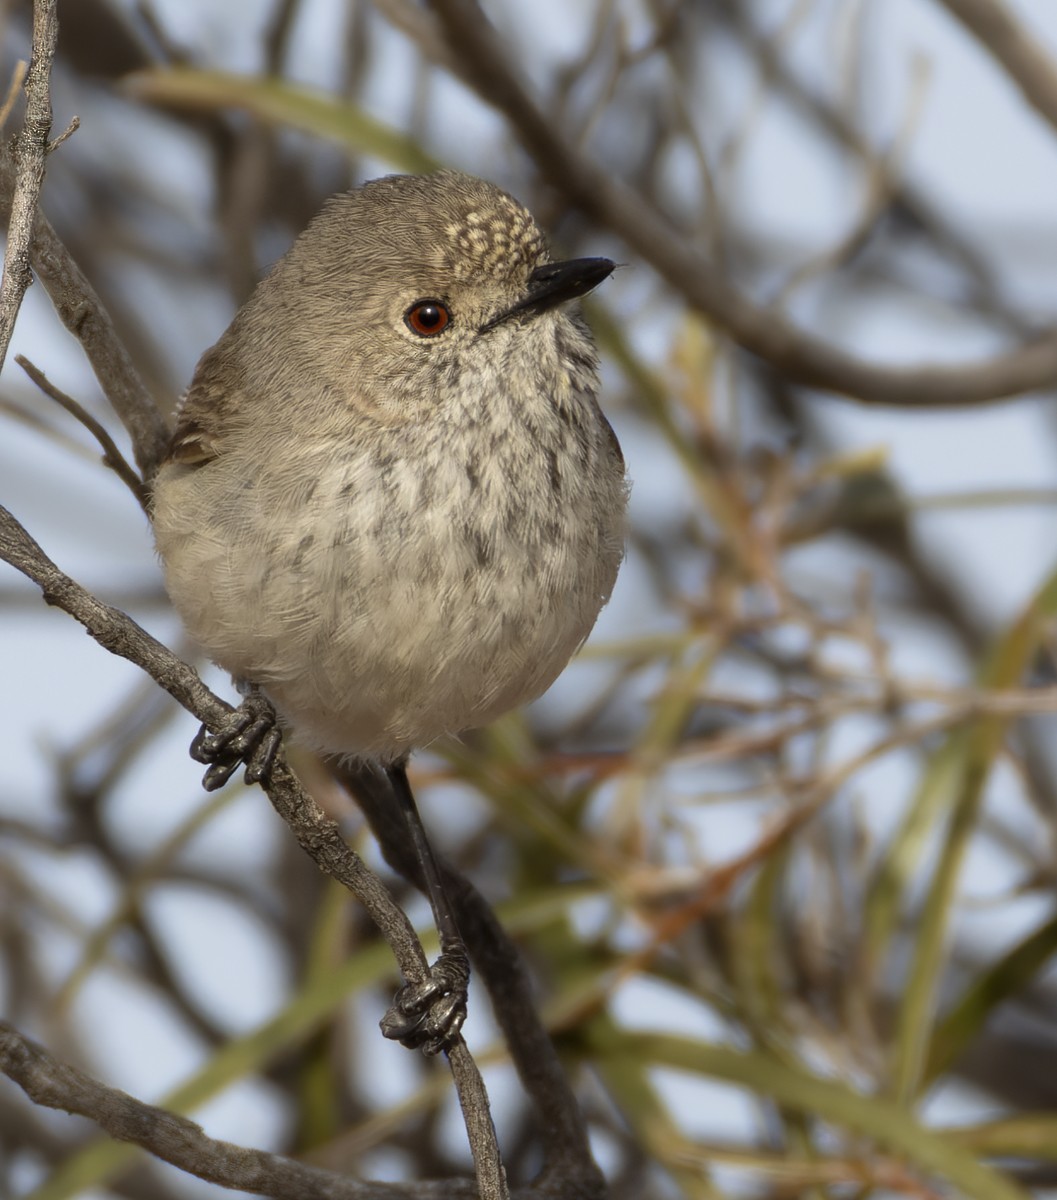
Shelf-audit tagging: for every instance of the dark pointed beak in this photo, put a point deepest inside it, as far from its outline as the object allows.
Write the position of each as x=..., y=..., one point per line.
x=554, y=284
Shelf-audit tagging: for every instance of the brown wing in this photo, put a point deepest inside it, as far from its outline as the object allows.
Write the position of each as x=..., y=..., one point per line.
x=191, y=443
x=209, y=407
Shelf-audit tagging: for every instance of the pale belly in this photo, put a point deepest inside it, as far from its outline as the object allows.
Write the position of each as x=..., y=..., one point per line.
x=377, y=616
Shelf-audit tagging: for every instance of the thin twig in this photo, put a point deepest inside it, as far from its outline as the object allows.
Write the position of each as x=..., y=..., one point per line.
x=82, y=312
x=30, y=152
x=68, y=132
x=881, y=182
x=112, y=456
x=833, y=121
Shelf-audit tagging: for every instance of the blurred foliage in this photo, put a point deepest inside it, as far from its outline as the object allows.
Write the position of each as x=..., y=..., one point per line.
x=817, y=973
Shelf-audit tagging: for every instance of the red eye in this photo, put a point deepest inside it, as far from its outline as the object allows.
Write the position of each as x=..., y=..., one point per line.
x=427, y=317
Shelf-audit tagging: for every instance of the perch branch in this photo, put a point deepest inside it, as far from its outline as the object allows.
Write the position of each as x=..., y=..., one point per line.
x=317, y=833
x=569, y=1169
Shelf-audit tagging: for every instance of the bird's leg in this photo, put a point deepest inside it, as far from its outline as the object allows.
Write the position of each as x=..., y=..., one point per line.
x=429, y=1015
x=249, y=736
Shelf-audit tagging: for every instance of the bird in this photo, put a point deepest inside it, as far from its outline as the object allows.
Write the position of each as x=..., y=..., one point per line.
x=392, y=507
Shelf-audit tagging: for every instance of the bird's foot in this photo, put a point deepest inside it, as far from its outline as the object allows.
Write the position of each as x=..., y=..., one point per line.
x=427, y=1016
x=249, y=736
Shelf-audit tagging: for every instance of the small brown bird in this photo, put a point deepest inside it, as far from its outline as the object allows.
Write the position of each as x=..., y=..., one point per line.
x=392, y=504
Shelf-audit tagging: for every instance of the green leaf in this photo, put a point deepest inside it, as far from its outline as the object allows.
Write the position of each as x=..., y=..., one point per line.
x=1007, y=977
x=627, y=1080
x=1030, y=1135
x=278, y=103
x=976, y=748
x=878, y=1119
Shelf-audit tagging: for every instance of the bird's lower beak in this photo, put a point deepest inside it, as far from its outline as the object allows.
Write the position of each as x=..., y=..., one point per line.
x=554, y=284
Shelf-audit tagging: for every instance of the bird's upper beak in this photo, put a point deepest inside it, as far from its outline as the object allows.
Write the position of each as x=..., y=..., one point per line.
x=553, y=284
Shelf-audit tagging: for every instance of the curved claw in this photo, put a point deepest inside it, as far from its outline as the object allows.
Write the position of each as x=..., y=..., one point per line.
x=259, y=764
x=428, y=1016
x=249, y=736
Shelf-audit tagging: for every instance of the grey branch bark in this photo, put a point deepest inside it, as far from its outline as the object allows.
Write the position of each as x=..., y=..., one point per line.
x=30, y=150
x=176, y=1140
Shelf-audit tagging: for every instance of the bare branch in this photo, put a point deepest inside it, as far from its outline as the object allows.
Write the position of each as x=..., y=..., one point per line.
x=67, y=133
x=112, y=456
x=82, y=312
x=776, y=679
x=30, y=152
x=833, y=120
x=175, y=1139
x=1020, y=52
